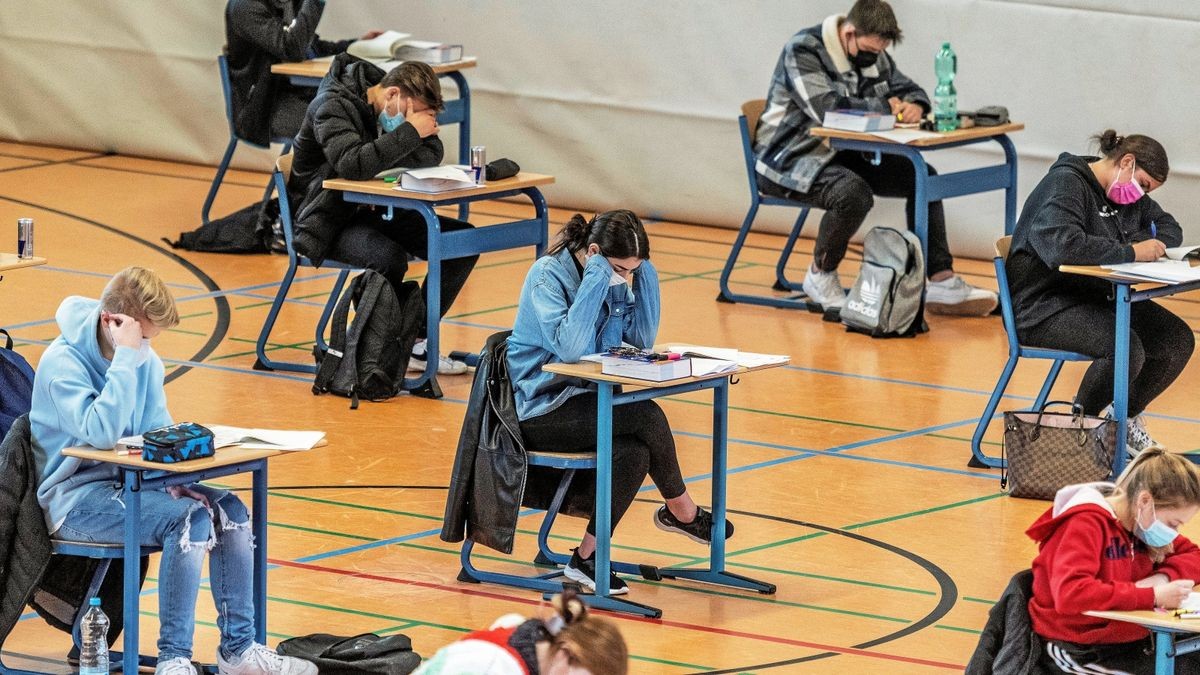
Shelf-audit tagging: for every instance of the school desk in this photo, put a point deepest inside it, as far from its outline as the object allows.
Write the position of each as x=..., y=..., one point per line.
x=1164, y=626
x=10, y=261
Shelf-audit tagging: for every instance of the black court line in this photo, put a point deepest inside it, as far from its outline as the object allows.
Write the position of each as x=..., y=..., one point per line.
x=222, y=303
x=53, y=163
x=34, y=159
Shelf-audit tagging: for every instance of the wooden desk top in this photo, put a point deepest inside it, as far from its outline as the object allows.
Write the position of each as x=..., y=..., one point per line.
x=223, y=457
x=379, y=187
x=590, y=370
x=10, y=261
x=316, y=68
x=1116, y=277
x=943, y=137
x=1151, y=619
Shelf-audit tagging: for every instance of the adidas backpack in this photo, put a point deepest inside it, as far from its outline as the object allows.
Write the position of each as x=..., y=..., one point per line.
x=888, y=297
x=16, y=385
x=369, y=360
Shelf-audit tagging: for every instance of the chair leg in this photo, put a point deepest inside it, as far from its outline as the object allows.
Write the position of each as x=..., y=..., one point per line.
x=260, y=348
x=323, y=322
x=979, y=459
x=93, y=590
x=1051, y=378
x=726, y=295
x=216, y=184
x=781, y=281
x=545, y=555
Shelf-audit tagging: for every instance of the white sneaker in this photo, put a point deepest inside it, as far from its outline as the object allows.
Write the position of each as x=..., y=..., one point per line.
x=261, y=660
x=180, y=665
x=446, y=366
x=1137, y=438
x=957, y=297
x=824, y=288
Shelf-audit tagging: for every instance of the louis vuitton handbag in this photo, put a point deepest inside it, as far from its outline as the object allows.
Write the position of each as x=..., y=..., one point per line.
x=1049, y=450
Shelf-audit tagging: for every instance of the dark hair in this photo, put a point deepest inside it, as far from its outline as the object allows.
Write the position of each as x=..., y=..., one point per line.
x=875, y=17
x=591, y=642
x=619, y=234
x=1147, y=152
x=416, y=79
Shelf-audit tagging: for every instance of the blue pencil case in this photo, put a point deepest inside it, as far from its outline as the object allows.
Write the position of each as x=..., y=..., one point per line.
x=177, y=443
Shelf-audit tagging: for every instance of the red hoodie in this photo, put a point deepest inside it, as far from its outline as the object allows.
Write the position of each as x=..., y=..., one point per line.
x=1088, y=561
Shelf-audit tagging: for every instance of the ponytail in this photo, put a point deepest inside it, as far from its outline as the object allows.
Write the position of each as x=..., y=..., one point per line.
x=590, y=642
x=618, y=233
x=1147, y=152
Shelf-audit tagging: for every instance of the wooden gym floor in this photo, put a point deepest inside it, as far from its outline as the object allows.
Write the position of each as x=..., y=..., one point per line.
x=848, y=478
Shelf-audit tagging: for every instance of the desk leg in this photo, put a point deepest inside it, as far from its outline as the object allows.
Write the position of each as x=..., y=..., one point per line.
x=132, y=488
x=1164, y=653
x=604, y=413
x=540, y=213
x=427, y=385
x=259, y=529
x=716, y=573
x=1010, y=191
x=464, y=131
x=1121, y=376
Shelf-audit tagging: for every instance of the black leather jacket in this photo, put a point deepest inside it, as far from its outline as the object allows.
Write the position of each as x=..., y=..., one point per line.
x=1008, y=645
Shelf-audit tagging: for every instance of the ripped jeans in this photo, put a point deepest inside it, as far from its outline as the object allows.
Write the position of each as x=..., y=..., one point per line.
x=186, y=531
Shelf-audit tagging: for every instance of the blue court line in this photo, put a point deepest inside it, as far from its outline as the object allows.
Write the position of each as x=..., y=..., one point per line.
x=911, y=383
x=106, y=275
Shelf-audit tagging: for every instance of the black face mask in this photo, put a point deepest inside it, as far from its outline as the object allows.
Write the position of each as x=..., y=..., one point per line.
x=863, y=59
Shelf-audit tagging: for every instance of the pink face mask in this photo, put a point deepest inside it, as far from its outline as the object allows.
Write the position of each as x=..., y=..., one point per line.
x=1125, y=193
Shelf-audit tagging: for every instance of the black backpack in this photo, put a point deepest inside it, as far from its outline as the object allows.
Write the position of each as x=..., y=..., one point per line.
x=369, y=360
x=16, y=385
x=366, y=653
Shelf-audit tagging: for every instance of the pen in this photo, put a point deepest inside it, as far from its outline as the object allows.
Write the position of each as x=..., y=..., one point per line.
x=1153, y=230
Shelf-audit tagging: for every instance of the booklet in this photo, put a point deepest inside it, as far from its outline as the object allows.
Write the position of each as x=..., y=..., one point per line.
x=858, y=120
x=250, y=439
x=1182, y=253
x=445, y=178
x=382, y=46
x=655, y=371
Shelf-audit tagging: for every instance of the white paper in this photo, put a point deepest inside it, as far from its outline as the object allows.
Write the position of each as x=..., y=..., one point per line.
x=1178, y=252
x=1192, y=602
x=264, y=439
x=1166, y=271
x=377, y=47
x=447, y=171
x=721, y=353
x=131, y=443
x=904, y=135
x=701, y=367
x=753, y=360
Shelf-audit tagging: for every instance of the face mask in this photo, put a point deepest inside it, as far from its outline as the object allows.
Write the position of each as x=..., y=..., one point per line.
x=863, y=59
x=388, y=122
x=616, y=279
x=144, y=351
x=1125, y=193
x=1158, y=534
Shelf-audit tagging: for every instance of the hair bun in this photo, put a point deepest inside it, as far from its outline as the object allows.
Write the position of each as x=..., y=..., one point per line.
x=1109, y=140
x=568, y=606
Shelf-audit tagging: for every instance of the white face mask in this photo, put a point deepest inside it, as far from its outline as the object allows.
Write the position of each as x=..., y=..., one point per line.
x=615, y=279
x=143, y=352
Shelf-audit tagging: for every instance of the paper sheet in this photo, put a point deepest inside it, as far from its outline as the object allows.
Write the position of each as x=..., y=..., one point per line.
x=1166, y=271
x=904, y=136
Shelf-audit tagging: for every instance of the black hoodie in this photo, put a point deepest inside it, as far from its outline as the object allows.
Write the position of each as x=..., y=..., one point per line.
x=340, y=138
x=1068, y=220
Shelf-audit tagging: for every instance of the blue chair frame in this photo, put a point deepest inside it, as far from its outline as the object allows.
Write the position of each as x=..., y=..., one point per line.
x=279, y=180
x=1015, y=352
x=747, y=123
x=226, y=90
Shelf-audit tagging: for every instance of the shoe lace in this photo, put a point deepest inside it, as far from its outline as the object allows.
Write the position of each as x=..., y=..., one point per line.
x=176, y=666
x=265, y=658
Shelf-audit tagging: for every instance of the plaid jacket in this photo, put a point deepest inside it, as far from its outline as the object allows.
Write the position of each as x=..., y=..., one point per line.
x=814, y=75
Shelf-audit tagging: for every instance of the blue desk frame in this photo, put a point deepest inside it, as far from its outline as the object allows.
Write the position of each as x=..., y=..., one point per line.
x=460, y=244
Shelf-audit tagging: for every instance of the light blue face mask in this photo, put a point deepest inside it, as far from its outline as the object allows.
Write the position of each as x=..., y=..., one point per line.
x=1158, y=534
x=390, y=123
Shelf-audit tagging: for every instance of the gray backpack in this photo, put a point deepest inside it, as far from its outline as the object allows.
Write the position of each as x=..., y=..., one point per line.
x=888, y=297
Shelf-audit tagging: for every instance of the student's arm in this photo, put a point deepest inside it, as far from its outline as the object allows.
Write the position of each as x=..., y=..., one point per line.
x=1183, y=563
x=1168, y=229
x=254, y=21
x=1074, y=577
x=816, y=92
x=329, y=47
x=1058, y=237
x=906, y=90
x=429, y=153
x=97, y=418
x=351, y=155
x=643, y=320
x=571, y=328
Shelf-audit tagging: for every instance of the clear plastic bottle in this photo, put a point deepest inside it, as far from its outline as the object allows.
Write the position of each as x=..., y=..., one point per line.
x=93, y=653
x=945, y=98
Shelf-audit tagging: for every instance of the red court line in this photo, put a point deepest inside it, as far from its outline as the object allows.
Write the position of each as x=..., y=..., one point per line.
x=849, y=651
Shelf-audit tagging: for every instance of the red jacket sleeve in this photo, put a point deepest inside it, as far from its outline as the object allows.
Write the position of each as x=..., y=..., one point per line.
x=1183, y=563
x=1075, y=582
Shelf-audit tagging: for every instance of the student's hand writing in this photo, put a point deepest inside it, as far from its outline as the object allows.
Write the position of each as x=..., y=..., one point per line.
x=1171, y=595
x=124, y=329
x=178, y=491
x=424, y=122
x=371, y=34
x=1149, y=250
x=911, y=113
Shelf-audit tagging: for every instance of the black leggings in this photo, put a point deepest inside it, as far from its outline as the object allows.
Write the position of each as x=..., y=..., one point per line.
x=1134, y=658
x=642, y=443
x=1160, y=345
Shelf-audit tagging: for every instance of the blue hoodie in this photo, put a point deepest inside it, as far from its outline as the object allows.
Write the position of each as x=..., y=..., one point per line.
x=82, y=398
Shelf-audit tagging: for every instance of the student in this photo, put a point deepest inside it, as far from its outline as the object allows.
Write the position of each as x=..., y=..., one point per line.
x=259, y=34
x=97, y=382
x=1096, y=211
x=842, y=63
x=569, y=643
x=594, y=289
x=1114, y=547
x=364, y=121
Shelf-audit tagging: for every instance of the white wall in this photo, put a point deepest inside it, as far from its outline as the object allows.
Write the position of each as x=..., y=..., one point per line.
x=631, y=103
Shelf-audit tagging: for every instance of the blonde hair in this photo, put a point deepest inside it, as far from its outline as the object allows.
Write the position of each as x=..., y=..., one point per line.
x=590, y=642
x=1172, y=481
x=141, y=294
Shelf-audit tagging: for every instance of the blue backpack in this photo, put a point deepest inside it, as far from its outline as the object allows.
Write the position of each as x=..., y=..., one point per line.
x=16, y=385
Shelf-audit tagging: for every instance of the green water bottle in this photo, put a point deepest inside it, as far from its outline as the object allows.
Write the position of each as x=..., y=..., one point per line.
x=945, y=98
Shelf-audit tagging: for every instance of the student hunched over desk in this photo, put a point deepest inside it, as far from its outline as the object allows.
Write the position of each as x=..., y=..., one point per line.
x=595, y=288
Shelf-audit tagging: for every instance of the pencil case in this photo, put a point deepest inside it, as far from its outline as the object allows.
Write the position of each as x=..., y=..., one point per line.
x=177, y=443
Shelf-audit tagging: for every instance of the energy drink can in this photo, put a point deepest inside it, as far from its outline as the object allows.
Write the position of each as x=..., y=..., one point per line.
x=25, y=237
x=479, y=164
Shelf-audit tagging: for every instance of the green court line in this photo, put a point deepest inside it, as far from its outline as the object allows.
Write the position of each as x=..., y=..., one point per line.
x=294, y=297
x=192, y=316
x=210, y=624
x=972, y=631
x=273, y=347
x=795, y=416
x=855, y=582
x=188, y=332
x=377, y=509
x=979, y=600
x=314, y=530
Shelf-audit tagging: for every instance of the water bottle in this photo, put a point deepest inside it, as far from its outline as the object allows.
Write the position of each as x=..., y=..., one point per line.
x=945, y=98
x=93, y=653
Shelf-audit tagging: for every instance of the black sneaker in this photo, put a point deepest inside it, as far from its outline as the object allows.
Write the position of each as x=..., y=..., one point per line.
x=699, y=530
x=583, y=572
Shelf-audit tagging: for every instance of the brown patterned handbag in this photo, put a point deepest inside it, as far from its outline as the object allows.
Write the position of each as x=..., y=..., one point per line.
x=1046, y=450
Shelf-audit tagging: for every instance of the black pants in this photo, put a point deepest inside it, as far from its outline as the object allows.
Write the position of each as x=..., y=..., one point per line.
x=642, y=443
x=845, y=189
x=380, y=245
x=1135, y=658
x=1160, y=345
x=287, y=111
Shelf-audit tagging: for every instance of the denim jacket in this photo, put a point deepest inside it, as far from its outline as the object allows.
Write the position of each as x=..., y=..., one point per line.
x=562, y=317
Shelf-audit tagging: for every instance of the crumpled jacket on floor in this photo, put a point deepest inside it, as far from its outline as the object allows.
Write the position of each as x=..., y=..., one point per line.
x=1008, y=645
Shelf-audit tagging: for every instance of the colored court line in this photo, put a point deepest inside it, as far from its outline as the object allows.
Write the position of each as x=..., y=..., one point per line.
x=106, y=275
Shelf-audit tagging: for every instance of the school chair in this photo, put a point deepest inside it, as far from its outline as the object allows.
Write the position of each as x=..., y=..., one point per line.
x=748, y=122
x=279, y=179
x=286, y=141
x=1016, y=351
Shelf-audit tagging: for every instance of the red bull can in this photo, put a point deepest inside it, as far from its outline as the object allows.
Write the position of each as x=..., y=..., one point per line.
x=479, y=164
x=25, y=237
